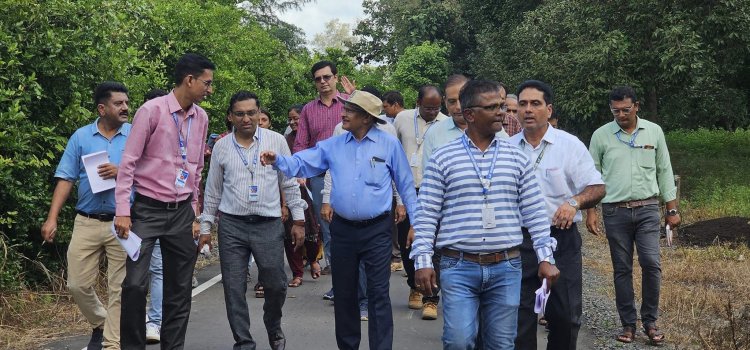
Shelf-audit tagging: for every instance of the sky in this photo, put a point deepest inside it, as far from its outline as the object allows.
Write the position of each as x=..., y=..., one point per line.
x=313, y=16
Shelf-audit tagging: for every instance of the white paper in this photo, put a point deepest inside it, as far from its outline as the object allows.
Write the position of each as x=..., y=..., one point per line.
x=91, y=162
x=669, y=236
x=132, y=244
x=542, y=295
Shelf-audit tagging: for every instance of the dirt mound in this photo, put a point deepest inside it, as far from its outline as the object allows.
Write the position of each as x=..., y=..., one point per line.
x=735, y=230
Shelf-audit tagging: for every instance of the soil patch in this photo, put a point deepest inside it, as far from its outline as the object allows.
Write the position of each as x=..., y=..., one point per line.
x=733, y=230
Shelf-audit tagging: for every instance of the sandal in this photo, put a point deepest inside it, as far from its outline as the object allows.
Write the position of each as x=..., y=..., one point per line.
x=259, y=292
x=654, y=334
x=315, y=270
x=542, y=321
x=627, y=335
x=295, y=282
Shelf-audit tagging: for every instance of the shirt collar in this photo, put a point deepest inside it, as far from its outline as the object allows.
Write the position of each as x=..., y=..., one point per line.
x=335, y=99
x=550, y=136
x=174, y=105
x=615, y=128
x=373, y=135
x=493, y=143
x=95, y=128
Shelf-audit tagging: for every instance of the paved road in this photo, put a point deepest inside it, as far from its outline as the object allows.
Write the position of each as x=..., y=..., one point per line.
x=307, y=322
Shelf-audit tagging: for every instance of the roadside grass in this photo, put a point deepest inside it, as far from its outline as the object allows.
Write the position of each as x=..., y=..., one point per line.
x=705, y=291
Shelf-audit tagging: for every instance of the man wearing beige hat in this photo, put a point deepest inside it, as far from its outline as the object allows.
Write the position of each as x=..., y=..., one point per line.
x=362, y=164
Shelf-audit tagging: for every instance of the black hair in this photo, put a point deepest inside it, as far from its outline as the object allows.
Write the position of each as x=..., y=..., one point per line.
x=455, y=79
x=191, y=64
x=373, y=90
x=620, y=93
x=297, y=108
x=104, y=91
x=471, y=91
x=153, y=93
x=242, y=95
x=424, y=89
x=393, y=97
x=539, y=85
x=554, y=114
x=322, y=64
x=266, y=112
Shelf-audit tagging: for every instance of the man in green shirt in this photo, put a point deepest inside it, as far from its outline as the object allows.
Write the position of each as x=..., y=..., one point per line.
x=631, y=153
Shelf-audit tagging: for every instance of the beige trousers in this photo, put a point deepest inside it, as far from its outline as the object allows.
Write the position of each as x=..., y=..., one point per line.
x=91, y=241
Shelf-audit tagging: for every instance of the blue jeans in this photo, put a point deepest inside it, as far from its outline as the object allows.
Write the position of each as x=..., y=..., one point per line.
x=471, y=291
x=157, y=286
x=316, y=185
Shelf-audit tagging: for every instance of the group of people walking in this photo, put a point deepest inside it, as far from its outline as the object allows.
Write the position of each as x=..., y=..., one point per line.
x=483, y=203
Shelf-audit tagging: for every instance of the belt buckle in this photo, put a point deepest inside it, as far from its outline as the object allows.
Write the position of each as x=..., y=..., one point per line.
x=172, y=205
x=481, y=258
x=629, y=204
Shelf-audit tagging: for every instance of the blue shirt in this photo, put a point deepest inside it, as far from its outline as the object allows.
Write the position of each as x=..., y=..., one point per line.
x=87, y=140
x=452, y=195
x=361, y=172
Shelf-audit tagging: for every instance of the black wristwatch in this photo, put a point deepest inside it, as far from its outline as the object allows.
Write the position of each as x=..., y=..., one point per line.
x=671, y=212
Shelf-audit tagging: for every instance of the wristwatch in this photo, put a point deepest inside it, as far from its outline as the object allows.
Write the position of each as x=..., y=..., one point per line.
x=198, y=219
x=672, y=212
x=573, y=203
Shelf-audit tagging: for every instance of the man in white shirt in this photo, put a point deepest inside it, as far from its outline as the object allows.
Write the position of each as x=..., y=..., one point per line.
x=569, y=182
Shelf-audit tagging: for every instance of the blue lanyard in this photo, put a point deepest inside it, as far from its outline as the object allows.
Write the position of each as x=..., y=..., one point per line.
x=630, y=143
x=182, y=143
x=238, y=148
x=416, y=128
x=487, y=180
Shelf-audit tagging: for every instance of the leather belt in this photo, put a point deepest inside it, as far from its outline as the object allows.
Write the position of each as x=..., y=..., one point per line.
x=635, y=204
x=361, y=223
x=484, y=258
x=163, y=205
x=101, y=216
x=250, y=218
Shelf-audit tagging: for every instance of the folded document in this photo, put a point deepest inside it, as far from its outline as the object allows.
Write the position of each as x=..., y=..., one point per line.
x=132, y=244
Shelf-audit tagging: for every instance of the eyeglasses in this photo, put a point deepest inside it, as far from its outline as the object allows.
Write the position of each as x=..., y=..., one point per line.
x=323, y=78
x=208, y=83
x=626, y=110
x=493, y=108
x=242, y=114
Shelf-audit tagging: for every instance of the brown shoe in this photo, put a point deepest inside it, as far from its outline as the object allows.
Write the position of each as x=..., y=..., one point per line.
x=415, y=299
x=396, y=266
x=429, y=311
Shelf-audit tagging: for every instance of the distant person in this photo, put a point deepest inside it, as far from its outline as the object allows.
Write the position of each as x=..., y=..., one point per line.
x=162, y=164
x=569, y=182
x=513, y=122
x=264, y=119
x=481, y=190
x=632, y=155
x=91, y=238
x=393, y=104
x=553, y=119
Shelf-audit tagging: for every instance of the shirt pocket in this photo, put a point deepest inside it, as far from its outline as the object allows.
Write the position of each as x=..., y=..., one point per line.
x=377, y=174
x=554, y=182
x=647, y=158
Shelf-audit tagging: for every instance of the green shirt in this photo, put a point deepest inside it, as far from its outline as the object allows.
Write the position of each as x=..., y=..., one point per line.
x=633, y=172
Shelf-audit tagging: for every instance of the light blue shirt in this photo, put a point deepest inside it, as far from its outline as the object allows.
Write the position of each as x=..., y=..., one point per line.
x=440, y=134
x=361, y=172
x=87, y=140
x=452, y=196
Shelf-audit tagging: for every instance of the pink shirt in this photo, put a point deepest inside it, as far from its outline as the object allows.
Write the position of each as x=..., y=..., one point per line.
x=152, y=153
x=317, y=121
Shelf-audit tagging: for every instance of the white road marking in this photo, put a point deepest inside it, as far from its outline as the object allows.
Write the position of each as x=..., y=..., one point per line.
x=199, y=289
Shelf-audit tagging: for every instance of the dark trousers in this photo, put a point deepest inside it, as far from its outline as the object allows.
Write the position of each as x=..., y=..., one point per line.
x=238, y=238
x=625, y=228
x=370, y=244
x=295, y=257
x=173, y=229
x=565, y=304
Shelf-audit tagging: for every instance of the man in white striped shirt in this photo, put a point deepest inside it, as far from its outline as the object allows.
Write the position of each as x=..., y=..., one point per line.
x=482, y=191
x=247, y=195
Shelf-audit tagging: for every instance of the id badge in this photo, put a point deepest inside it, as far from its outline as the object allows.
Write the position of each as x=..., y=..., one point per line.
x=414, y=160
x=254, y=196
x=488, y=216
x=181, y=178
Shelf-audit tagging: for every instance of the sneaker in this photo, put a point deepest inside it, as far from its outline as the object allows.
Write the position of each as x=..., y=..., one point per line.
x=429, y=311
x=363, y=315
x=152, y=333
x=397, y=266
x=326, y=270
x=415, y=300
x=97, y=335
x=328, y=295
x=195, y=282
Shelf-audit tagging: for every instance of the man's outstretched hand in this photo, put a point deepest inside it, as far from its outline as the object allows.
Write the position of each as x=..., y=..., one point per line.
x=267, y=158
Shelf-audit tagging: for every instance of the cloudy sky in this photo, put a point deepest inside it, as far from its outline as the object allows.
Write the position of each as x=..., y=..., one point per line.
x=313, y=16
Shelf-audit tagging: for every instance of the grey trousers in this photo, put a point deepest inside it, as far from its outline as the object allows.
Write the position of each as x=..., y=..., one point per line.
x=625, y=228
x=239, y=237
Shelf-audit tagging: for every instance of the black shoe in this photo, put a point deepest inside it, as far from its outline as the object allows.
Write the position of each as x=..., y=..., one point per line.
x=277, y=342
x=97, y=335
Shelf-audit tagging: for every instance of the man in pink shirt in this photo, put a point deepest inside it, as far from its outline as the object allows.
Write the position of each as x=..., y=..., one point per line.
x=162, y=162
x=317, y=121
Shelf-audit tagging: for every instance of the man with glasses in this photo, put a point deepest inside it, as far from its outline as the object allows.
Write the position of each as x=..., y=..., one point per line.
x=162, y=162
x=411, y=126
x=569, y=182
x=481, y=190
x=632, y=155
x=317, y=121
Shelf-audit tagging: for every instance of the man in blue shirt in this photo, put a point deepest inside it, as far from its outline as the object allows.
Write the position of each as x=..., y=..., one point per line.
x=91, y=231
x=362, y=164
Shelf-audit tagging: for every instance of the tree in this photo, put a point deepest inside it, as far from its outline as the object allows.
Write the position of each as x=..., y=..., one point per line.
x=420, y=65
x=337, y=35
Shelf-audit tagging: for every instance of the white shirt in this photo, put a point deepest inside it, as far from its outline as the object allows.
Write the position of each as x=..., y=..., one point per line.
x=411, y=130
x=564, y=170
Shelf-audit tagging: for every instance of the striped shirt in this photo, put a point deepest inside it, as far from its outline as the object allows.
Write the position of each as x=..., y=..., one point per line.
x=229, y=180
x=317, y=121
x=451, y=195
